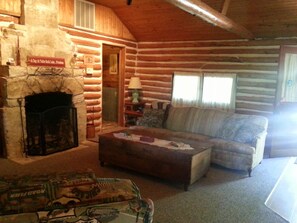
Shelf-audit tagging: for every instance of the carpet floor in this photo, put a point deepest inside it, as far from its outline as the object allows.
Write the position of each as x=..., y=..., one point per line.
x=223, y=196
x=283, y=197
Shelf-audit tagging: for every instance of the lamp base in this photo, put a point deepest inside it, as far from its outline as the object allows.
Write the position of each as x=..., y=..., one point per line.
x=135, y=96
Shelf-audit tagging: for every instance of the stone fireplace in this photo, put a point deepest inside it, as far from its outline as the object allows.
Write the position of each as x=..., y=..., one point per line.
x=39, y=36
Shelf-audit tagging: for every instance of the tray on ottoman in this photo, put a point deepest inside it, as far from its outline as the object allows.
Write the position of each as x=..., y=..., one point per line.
x=184, y=162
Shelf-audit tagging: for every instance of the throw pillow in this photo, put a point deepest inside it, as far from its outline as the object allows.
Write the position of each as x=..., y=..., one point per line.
x=247, y=133
x=152, y=118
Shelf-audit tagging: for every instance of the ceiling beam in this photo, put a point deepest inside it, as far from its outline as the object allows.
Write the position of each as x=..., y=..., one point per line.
x=208, y=14
x=225, y=7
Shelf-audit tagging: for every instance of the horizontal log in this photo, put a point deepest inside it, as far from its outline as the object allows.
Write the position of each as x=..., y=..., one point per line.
x=92, y=88
x=130, y=70
x=92, y=95
x=92, y=102
x=131, y=51
x=96, y=74
x=184, y=50
x=80, y=58
x=95, y=36
x=156, y=84
x=156, y=89
x=253, y=91
x=248, y=112
x=263, y=42
x=130, y=63
x=6, y=18
x=202, y=65
x=157, y=72
x=92, y=80
x=85, y=50
x=258, y=98
x=156, y=96
x=93, y=116
x=92, y=109
x=157, y=78
x=266, y=85
x=199, y=58
x=85, y=42
x=256, y=107
x=131, y=57
x=258, y=76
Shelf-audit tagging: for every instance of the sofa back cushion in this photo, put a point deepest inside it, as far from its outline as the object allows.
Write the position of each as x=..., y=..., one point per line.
x=216, y=123
x=195, y=120
x=176, y=119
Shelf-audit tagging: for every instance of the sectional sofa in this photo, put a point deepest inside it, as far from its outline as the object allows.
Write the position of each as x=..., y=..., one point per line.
x=238, y=139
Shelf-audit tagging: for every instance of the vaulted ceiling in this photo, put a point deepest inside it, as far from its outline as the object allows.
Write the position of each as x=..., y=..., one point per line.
x=160, y=20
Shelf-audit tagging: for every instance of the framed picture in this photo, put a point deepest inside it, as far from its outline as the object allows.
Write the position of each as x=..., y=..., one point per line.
x=89, y=60
x=113, y=63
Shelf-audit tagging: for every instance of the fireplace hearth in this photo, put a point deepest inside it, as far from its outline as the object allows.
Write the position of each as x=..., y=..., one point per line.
x=51, y=122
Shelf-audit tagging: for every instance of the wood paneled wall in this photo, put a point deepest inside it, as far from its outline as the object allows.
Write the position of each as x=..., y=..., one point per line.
x=254, y=62
x=10, y=7
x=106, y=21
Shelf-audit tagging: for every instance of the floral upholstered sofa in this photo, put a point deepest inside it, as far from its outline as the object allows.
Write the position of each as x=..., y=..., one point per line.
x=238, y=140
x=72, y=197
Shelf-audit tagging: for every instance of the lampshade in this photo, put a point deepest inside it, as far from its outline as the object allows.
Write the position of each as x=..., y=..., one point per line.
x=134, y=83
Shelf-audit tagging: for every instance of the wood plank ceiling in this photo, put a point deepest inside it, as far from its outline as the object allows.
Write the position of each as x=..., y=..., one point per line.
x=160, y=20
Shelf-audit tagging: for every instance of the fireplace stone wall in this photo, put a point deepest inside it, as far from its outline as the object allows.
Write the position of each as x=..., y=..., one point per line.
x=16, y=83
x=37, y=35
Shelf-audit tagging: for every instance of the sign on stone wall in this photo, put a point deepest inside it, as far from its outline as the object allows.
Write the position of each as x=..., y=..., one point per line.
x=45, y=61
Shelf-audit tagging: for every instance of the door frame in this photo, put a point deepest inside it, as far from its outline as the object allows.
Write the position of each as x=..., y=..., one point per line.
x=283, y=50
x=121, y=83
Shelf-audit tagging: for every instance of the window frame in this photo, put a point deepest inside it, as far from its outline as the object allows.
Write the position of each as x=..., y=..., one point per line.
x=202, y=75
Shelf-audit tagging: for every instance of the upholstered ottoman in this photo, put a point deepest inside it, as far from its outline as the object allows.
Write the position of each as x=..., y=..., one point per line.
x=72, y=197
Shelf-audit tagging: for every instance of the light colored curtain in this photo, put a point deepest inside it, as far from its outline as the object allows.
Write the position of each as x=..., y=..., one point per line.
x=186, y=89
x=219, y=91
x=289, y=84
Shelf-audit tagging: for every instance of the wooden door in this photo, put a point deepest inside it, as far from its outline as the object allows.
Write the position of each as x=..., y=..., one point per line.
x=112, y=92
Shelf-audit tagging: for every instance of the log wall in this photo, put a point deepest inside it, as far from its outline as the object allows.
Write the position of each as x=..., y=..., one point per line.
x=254, y=62
x=90, y=43
x=108, y=30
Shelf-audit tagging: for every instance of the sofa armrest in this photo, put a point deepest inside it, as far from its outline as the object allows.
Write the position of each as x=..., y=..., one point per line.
x=258, y=138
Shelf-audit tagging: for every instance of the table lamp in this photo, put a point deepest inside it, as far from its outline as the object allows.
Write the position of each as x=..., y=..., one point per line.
x=135, y=85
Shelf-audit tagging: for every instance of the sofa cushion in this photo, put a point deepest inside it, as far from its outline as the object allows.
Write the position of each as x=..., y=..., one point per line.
x=205, y=121
x=230, y=127
x=247, y=133
x=177, y=118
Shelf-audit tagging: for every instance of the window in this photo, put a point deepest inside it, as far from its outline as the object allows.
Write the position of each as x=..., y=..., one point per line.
x=84, y=14
x=205, y=90
x=186, y=89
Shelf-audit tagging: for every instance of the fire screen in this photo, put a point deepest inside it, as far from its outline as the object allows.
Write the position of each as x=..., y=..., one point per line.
x=51, y=124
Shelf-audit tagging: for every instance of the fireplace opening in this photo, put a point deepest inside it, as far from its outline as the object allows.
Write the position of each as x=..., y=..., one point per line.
x=51, y=123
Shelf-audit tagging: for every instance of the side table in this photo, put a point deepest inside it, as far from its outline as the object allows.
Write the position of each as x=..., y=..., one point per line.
x=132, y=112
